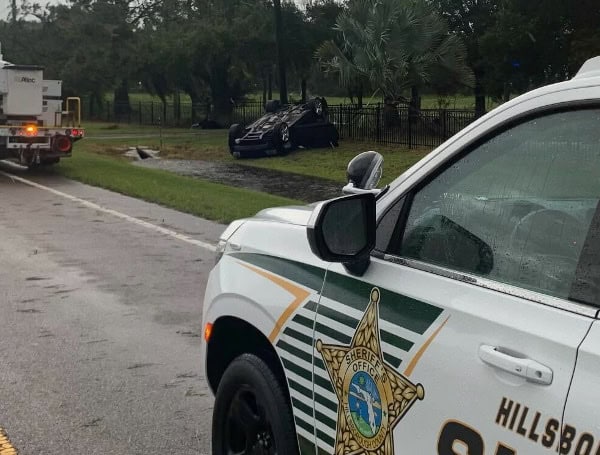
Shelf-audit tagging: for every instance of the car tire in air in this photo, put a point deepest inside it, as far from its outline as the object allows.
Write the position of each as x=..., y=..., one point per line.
x=281, y=138
x=235, y=131
x=319, y=107
x=251, y=412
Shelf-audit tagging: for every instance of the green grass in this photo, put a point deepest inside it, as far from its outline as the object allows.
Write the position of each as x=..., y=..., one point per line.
x=331, y=163
x=98, y=160
x=208, y=200
x=211, y=145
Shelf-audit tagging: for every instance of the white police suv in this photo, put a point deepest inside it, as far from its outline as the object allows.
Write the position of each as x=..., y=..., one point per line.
x=453, y=312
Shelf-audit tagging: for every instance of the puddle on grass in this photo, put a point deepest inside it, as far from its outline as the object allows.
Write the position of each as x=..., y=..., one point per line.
x=304, y=188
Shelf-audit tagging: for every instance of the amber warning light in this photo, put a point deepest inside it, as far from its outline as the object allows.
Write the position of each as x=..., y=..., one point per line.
x=207, y=331
x=30, y=130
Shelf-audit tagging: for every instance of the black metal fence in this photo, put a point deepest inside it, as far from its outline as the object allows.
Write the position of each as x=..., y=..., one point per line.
x=399, y=125
x=379, y=123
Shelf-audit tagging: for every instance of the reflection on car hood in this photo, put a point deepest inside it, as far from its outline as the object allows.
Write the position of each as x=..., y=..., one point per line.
x=292, y=215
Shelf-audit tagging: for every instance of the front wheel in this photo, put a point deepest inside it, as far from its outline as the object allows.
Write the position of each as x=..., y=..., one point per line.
x=251, y=413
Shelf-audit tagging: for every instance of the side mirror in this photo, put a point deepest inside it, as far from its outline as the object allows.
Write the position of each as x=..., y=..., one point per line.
x=343, y=230
x=364, y=172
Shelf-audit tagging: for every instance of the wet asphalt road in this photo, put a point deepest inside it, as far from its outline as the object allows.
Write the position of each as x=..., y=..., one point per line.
x=100, y=323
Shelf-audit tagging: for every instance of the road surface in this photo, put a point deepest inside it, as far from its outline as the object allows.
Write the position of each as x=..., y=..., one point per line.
x=100, y=322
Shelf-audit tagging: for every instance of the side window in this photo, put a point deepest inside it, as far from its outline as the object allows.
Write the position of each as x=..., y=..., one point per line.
x=517, y=209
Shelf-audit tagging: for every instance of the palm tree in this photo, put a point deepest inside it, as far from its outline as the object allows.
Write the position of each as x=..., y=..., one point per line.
x=391, y=46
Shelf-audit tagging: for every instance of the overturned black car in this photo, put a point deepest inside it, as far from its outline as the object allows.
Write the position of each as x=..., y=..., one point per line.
x=284, y=128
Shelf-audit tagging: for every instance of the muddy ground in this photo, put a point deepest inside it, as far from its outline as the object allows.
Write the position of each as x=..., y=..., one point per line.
x=304, y=188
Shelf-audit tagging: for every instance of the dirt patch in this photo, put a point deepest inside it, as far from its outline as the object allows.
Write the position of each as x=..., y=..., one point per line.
x=309, y=189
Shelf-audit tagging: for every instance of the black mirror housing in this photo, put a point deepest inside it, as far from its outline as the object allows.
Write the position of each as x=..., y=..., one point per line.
x=343, y=229
x=364, y=170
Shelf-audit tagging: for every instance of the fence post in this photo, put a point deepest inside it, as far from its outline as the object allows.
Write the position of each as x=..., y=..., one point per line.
x=444, y=119
x=108, y=111
x=378, y=122
x=140, y=111
x=152, y=112
x=409, y=129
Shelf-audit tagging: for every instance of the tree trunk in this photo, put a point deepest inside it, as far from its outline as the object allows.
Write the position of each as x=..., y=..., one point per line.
x=121, y=96
x=283, y=95
x=264, y=87
x=479, y=95
x=13, y=11
x=303, y=89
x=415, y=105
x=270, y=84
x=415, y=98
x=222, y=110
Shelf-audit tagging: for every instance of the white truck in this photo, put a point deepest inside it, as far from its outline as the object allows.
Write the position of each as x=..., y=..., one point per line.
x=32, y=132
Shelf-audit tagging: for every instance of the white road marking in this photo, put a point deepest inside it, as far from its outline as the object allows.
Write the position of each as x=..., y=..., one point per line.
x=130, y=219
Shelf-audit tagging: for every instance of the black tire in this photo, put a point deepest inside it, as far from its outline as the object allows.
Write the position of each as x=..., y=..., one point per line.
x=272, y=106
x=235, y=131
x=251, y=408
x=319, y=107
x=281, y=138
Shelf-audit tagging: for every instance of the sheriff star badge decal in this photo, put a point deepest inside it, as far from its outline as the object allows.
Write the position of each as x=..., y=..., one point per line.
x=373, y=397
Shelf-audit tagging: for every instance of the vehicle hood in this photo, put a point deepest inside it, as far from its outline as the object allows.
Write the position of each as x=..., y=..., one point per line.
x=298, y=214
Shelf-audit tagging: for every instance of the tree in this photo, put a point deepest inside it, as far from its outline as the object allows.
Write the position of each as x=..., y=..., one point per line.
x=470, y=19
x=391, y=46
x=281, y=54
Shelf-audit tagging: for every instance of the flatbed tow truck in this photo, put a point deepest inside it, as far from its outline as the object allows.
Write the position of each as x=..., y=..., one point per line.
x=34, y=129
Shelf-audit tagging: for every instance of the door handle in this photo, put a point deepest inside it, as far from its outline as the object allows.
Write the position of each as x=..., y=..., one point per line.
x=526, y=368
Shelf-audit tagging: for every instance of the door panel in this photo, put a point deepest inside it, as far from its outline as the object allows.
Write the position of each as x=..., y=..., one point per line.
x=582, y=416
x=431, y=329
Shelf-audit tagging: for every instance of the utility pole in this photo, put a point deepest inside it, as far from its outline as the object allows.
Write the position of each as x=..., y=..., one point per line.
x=283, y=98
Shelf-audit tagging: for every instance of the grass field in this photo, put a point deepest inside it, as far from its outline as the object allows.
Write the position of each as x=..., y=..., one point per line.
x=208, y=200
x=98, y=160
x=211, y=145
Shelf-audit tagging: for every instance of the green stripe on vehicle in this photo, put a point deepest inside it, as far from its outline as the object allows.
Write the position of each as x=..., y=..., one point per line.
x=303, y=274
x=308, y=394
x=321, y=418
x=324, y=383
x=298, y=336
x=338, y=336
x=412, y=314
x=302, y=424
x=302, y=320
x=348, y=321
x=300, y=389
x=295, y=351
x=393, y=361
x=311, y=306
x=395, y=340
x=296, y=369
x=406, y=312
x=338, y=316
x=325, y=438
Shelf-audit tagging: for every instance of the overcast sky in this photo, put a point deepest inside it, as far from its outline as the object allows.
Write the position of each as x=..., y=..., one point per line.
x=5, y=5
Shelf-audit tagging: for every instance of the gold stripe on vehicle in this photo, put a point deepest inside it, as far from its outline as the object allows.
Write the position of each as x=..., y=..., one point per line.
x=300, y=295
x=413, y=363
